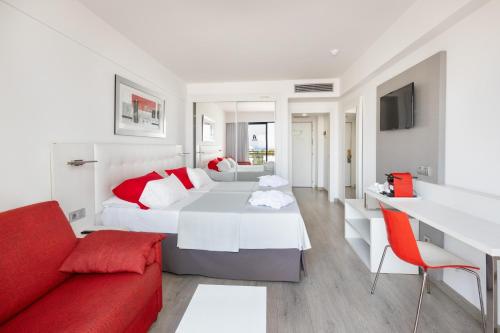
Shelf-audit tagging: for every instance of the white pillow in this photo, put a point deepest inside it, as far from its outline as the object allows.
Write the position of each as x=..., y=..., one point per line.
x=162, y=193
x=224, y=166
x=198, y=177
x=231, y=162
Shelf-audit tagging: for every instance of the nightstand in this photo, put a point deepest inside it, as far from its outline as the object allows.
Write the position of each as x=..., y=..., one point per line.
x=78, y=229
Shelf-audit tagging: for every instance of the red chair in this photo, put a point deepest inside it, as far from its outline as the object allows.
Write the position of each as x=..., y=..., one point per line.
x=423, y=254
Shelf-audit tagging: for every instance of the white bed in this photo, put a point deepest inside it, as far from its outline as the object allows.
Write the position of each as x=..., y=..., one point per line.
x=260, y=227
x=269, y=250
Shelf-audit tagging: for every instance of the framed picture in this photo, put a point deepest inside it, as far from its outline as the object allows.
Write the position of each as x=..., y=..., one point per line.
x=207, y=129
x=138, y=110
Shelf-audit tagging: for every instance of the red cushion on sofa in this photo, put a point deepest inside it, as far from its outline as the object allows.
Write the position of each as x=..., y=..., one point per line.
x=182, y=174
x=111, y=251
x=34, y=241
x=212, y=165
x=91, y=303
x=131, y=189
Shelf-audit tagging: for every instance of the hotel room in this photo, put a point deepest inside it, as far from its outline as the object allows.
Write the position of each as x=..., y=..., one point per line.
x=249, y=166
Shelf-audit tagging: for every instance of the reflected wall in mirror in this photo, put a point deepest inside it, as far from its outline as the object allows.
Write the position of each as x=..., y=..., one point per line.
x=242, y=146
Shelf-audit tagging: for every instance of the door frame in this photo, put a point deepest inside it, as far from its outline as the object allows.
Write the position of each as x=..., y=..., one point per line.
x=313, y=155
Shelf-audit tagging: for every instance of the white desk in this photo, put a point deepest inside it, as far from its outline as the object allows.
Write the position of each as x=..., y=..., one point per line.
x=478, y=233
x=225, y=309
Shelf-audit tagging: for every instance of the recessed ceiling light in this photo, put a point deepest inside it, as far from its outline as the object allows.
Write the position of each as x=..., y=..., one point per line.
x=334, y=52
x=304, y=115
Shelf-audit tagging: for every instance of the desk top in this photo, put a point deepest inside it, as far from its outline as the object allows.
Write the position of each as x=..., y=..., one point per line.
x=481, y=234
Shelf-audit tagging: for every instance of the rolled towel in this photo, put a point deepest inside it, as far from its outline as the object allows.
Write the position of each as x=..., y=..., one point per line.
x=274, y=199
x=272, y=181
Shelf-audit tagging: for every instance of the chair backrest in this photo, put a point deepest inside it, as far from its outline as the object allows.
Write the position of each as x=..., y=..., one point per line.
x=34, y=241
x=401, y=238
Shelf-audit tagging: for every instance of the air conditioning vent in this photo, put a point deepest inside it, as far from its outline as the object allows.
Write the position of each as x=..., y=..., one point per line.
x=314, y=87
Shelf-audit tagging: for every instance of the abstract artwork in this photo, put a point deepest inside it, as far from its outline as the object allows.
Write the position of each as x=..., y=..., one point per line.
x=138, y=110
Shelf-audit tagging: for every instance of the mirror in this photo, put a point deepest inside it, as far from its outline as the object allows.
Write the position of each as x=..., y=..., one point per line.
x=241, y=133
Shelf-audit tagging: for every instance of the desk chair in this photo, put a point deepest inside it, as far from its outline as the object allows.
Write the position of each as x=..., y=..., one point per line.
x=423, y=254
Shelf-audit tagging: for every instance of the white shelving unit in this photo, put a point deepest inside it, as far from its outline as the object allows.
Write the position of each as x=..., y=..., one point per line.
x=366, y=234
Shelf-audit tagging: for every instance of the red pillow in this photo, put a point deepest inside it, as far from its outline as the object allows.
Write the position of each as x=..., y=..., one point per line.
x=131, y=189
x=112, y=251
x=182, y=174
x=212, y=165
x=220, y=158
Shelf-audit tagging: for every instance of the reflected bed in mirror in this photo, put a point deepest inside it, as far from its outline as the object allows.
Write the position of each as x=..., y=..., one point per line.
x=239, y=133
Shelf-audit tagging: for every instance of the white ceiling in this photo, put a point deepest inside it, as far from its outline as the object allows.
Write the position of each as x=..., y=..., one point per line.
x=241, y=40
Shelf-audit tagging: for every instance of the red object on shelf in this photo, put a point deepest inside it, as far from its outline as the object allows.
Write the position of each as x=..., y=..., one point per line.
x=403, y=184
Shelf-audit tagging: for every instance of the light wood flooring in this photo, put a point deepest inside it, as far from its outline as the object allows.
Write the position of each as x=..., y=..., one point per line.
x=335, y=295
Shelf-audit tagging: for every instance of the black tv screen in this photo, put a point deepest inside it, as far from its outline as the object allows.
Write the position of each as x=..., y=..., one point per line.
x=397, y=109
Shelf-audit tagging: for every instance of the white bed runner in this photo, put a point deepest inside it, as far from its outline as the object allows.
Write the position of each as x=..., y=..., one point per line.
x=220, y=221
x=212, y=222
x=225, y=309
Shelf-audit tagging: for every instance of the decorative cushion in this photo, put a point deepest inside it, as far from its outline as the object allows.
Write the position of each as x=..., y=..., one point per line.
x=212, y=165
x=220, y=158
x=114, y=201
x=162, y=193
x=131, y=189
x=198, y=177
x=181, y=173
x=111, y=251
x=224, y=166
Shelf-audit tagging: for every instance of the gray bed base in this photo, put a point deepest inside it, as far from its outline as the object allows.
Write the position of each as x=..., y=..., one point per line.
x=254, y=265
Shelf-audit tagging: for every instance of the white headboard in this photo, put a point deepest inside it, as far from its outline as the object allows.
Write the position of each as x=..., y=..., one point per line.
x=118, y=162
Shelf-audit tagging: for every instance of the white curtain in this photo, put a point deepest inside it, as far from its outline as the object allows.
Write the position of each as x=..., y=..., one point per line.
x=237, y=141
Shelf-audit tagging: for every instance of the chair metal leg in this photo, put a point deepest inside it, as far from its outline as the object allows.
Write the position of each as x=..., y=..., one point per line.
x=428, y=287
x=379, y=268
x=479, y=290
x=424, y=280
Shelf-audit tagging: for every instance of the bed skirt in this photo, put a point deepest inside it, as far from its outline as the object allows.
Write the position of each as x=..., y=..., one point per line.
x=254, y=265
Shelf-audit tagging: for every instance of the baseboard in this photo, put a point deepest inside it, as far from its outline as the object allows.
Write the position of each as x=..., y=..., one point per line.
x=458, y=299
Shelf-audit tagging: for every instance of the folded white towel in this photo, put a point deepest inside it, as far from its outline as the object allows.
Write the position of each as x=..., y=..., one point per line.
x=274, y=199
x=272, y=181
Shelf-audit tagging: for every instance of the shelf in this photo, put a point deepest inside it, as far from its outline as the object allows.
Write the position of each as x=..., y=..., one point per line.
x=359, y=206
x=362, y=227
x=361, y=249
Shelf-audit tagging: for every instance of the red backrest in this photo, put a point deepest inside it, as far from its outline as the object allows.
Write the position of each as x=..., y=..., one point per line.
x=34, y=241
x=401, y=238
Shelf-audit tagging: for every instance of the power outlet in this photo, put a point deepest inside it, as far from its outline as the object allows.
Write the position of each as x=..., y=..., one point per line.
x=76, y=214
x=427, y=239
x=424, y=171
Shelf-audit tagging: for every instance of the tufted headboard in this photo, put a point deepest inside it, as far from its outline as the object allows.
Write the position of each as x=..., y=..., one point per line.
x=118, y=162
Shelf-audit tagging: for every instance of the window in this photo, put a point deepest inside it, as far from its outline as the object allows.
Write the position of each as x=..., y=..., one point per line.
x=261, y=143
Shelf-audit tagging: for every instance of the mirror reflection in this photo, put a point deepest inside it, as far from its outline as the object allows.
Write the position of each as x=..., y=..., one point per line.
x=235, y=141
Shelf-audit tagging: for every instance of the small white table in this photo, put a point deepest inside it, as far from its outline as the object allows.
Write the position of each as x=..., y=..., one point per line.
x=225, y=309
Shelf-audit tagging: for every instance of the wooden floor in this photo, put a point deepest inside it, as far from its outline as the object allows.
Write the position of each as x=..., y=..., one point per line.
x=334, y=296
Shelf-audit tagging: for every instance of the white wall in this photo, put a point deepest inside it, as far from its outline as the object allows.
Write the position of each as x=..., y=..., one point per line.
x=472, y=137
x=58, y=62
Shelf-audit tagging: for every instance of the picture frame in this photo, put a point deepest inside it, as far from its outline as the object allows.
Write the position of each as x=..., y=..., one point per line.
x=139, y=111
x=207, y=129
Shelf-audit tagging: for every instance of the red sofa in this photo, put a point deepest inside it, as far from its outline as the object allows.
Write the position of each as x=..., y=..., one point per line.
x=36, y=297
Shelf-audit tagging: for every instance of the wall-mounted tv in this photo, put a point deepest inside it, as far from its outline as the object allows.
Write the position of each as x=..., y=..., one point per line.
x=397, y=109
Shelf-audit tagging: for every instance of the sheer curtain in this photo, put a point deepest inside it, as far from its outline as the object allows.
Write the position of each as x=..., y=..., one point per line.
x=237, y=141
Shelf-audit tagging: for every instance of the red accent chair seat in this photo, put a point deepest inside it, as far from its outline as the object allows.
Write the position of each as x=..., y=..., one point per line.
x=37, y=297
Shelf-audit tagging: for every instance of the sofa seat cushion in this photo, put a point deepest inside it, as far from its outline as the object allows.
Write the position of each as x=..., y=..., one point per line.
x=90, y=303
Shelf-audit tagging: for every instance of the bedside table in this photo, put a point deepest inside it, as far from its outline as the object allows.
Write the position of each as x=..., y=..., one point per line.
x=78, y=229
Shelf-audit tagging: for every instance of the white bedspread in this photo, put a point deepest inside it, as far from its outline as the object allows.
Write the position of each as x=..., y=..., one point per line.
x=259, y=227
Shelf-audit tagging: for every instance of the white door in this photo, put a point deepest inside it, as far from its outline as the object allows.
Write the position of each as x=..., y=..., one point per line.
x=348, y=153
x=302, y=154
